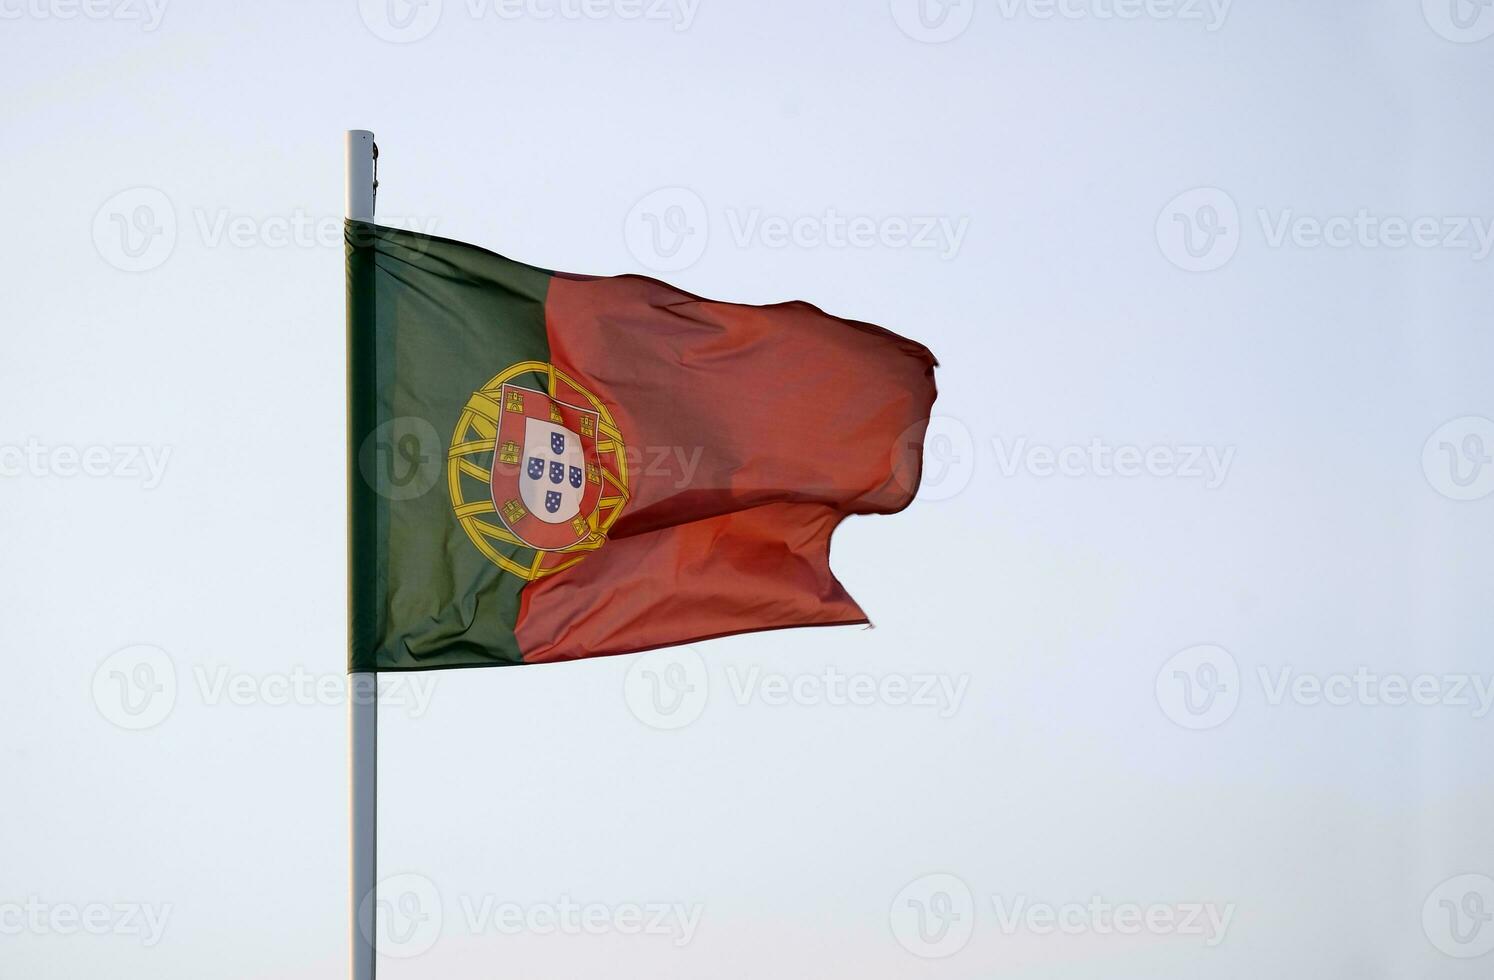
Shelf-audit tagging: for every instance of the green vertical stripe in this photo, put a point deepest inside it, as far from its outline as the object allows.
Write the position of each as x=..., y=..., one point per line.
x=431, y=321
x=368, y=517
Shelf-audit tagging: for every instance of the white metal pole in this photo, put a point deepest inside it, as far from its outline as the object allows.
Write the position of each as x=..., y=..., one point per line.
x=360, y=174
x=363, y=700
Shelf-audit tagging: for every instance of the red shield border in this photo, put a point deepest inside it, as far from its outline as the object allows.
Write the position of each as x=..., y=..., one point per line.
x=516, y=405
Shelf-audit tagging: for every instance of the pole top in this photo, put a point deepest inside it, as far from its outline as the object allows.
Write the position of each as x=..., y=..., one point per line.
x=362, y=174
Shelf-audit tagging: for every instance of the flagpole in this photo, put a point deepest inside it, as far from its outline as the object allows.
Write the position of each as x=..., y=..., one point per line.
x=363, y=702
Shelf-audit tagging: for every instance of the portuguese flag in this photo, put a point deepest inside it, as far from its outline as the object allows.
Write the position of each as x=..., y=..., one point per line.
x=547, y=466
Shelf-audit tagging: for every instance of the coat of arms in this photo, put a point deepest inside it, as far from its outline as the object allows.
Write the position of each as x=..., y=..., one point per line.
x=554, y=467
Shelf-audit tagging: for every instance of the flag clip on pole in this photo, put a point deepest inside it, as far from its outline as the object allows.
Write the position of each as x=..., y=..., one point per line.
x=363, y=701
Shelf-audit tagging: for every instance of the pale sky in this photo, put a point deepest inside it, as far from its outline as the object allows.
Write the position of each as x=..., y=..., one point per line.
x=1181, y=660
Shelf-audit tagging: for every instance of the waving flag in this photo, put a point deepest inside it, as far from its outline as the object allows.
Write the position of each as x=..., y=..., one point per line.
x=549, y=466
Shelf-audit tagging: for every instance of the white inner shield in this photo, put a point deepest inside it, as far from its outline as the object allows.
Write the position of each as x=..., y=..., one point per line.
x=537, y=491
